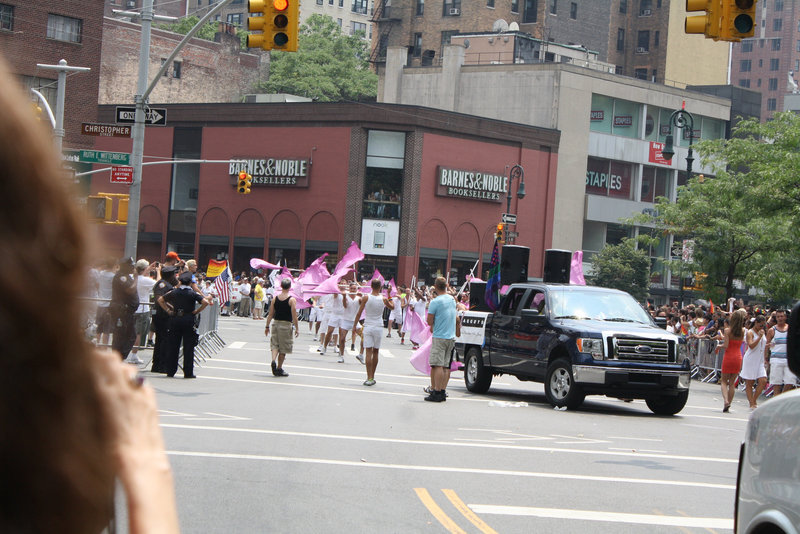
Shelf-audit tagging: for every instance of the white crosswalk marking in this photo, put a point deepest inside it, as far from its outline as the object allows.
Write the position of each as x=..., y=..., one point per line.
x=237, y=345
x=385, y=353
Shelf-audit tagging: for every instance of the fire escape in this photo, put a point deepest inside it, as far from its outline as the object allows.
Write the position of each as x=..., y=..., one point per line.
x=385, y=20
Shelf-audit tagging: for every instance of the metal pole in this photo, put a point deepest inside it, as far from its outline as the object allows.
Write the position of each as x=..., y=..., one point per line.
x=62, y=68
x=137, y=132
x=140, y=100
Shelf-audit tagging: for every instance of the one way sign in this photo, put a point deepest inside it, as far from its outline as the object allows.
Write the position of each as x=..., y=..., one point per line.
x=153, y=116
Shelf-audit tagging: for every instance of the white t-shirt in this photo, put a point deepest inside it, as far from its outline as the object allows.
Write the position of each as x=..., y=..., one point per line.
x=144, y=286
x=244, y=289
x=104, y=280
x=353, y=303
x=373, y=311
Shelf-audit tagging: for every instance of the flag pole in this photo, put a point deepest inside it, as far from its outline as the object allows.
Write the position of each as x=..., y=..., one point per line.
x=471, y=273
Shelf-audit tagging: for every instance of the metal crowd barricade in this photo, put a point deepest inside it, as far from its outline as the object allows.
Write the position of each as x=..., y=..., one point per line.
x=209, y=341
x=706, y=358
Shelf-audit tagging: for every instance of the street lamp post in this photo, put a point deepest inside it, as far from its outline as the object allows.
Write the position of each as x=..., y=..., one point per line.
x=680, y=118
x=62, y=68
x=519, y=173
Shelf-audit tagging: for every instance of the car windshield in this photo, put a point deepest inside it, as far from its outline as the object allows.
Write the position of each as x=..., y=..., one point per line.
x=596, y=305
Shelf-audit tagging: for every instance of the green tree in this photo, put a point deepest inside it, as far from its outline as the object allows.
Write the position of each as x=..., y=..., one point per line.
x=622, y=267
x=739, y=220
x=328, y=66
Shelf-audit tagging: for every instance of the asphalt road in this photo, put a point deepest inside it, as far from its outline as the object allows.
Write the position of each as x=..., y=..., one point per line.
x=319, y=452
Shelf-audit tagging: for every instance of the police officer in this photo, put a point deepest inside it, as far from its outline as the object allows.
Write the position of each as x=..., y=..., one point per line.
x=161, y=318
x=124, y=302
x=181, y=329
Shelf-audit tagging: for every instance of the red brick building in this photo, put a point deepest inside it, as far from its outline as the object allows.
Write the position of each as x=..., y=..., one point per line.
x=420, y=190
x=34, y=31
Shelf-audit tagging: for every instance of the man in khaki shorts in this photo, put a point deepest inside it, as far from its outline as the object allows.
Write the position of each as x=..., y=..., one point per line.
x=443, y=321
x=283, y=309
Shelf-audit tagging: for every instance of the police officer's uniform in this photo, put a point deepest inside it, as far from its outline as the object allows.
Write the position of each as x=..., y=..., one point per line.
x=161, y=321
x=124, y=303
x=181, y=329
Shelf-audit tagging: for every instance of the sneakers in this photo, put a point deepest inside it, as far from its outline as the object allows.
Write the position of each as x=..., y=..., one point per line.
x=430, y=390
x=369, y=382
x=388, y=335
x=341, y=359
x=150, y=343
x=436, y=396
x=134, y=360
x=321, y=349
x=360, y=358
x=336, y=350
x=352, y=346
x=274, y=368
x=280, y=372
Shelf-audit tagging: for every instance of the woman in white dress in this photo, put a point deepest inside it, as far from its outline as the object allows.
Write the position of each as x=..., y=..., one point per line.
x=754, y=371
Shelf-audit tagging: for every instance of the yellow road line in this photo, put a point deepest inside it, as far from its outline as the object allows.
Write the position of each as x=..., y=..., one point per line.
x=437, y=512
x=467, y=512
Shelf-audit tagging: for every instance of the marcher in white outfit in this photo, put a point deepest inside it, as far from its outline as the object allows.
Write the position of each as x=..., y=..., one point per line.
x=372, y=305
x=754, y=370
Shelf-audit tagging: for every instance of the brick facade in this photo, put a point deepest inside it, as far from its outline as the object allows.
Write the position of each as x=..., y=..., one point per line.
x=765, y=62
x=26, y=44
x=208, y=71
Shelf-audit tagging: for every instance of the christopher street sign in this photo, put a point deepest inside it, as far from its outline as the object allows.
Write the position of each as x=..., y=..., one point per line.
x=105, y=130
x=111, y=158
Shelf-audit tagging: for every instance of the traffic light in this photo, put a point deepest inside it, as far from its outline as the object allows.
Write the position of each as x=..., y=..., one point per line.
x=500, y=235
x=278, y=22
x=738, y=20
x=99, y=207
x=245, y=181
x=709, y=24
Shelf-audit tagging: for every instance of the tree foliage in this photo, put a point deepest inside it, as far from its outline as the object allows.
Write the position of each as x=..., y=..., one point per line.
x=328, y=66
x=741, y=219
x=622, y=267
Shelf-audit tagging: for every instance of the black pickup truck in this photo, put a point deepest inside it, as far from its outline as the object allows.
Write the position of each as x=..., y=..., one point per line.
x=578, y=341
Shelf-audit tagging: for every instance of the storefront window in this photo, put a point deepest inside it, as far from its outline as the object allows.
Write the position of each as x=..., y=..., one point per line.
x=652, y=123
x=609, y=178
x=712, y=129
x=626, y=118
x=601, y=114
x=212, y=247
x=461, y=263
x=615, y=233
x=285, y=252
x=387, y=266
x=315, y=249
x=655, y=183
x=593, y=236
x=244, y=249
x=383, y=185
x=432, y=263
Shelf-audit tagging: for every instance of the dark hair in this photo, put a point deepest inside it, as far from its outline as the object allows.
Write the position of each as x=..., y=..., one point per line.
x=376, y=283
x=55, y=440
x=286, y=283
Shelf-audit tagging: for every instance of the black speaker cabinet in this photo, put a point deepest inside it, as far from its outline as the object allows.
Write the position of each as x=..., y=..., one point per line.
x=477, y=292
x=557, y=266
x=514, y=264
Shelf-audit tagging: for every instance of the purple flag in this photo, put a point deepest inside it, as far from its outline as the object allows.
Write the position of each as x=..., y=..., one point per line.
x=393, y=292
x=420, y=360
x=576, y=269
x=377, y=274
x=417, y=328
x=328, y=287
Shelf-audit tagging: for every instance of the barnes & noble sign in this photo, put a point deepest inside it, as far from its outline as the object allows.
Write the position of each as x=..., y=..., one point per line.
x=471, y=185
x=271, y=171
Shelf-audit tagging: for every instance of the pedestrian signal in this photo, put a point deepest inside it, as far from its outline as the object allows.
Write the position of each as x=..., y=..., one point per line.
x=244, y=183
x=99, y=207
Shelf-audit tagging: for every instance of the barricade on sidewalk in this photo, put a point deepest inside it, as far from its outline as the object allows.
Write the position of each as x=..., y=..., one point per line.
x=706, y=359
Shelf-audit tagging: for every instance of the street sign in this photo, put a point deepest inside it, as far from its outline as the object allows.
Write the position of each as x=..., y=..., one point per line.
x=153, y=116
x=122, y=175
x=509, y=218
x=511, y=235
x=98, y=156
x=105, y=130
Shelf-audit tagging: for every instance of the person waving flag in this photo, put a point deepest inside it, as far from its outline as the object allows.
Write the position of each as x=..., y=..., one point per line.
x=492, y=295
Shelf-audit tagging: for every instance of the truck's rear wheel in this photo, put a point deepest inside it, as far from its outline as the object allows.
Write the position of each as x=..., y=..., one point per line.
x=477, y=377
x=667, y=404
x=560, y=387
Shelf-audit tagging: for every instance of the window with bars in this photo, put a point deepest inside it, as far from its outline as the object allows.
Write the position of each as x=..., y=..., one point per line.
x=63, y=28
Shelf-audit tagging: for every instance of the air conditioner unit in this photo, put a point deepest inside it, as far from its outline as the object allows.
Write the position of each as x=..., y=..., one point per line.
x=645, y=12
x=641, y=50
x=455, y=11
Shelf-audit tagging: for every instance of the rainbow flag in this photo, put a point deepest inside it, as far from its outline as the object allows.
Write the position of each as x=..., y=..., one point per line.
x=215, y=268
x=493, y=282
x=711, y=306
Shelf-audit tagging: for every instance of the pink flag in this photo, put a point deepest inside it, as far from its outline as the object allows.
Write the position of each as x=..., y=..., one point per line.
x=350, y=257
x=417, y=328
x=421, y=358
x=256, y=263
x=393, y=292
x=377, y=274
x=328, y=287
x=576, y=269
